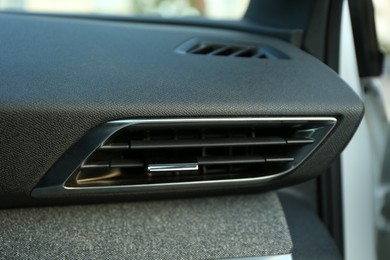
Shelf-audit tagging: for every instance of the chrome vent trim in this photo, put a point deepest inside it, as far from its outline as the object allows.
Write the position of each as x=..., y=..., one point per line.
x=60, y=180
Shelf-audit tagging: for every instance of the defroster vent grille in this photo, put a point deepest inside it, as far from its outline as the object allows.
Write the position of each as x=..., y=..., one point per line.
x=221, y=48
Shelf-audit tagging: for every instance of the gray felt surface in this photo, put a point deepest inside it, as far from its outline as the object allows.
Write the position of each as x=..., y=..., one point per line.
x=205, y=228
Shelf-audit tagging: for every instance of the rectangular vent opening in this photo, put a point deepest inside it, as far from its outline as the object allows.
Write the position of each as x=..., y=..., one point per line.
x=206, y=49
x=223, y=49
x=247, y=53
x=201, y=151
x=227, y=51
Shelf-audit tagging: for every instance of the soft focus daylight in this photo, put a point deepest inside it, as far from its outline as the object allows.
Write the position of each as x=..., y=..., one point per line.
x=195, y=129
x=214, y=9
x=382, y=19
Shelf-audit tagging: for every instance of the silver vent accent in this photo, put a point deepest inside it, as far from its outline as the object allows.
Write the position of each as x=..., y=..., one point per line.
x=133, y=155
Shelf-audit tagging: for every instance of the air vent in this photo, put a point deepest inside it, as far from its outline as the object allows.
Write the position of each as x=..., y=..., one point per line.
x=223, y=49
x=152, y=152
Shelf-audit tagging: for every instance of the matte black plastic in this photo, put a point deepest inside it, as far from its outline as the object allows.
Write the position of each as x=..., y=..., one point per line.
x=207, y=143
x=61, y=77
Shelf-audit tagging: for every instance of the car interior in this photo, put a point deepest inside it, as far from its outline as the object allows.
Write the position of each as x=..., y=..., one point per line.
x=141, y=137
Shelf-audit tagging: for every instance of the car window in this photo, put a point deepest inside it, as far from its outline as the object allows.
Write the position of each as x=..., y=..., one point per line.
x=214, y=9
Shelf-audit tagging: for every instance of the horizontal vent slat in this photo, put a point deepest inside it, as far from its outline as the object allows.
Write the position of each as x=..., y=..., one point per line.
x=113, y=164
x=300, y=140
x=202, y=143
x=126, y=163
x=116, y=146
x=96, y=165
x=230, y=160
x=195, y=143
x=213, y=160
x=279, y=159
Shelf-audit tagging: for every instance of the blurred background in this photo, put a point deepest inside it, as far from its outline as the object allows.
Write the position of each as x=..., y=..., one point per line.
x=382, y=18
x=213, y=9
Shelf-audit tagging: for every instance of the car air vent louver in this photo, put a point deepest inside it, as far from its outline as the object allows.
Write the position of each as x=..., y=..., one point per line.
x=153, y=152
x=219, y=48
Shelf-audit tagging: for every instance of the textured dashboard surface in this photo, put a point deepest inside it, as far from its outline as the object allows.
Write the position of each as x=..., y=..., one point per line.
x=61, y=77
x=211, y=228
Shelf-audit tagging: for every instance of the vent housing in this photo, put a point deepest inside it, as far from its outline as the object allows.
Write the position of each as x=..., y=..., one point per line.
x=178, y=151
x=225, y=49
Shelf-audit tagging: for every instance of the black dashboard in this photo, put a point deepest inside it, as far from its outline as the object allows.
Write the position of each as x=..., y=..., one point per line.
x=61, y=77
